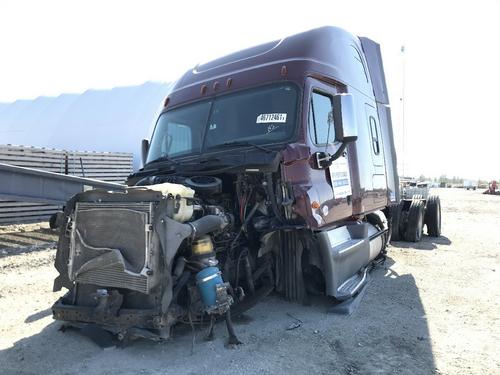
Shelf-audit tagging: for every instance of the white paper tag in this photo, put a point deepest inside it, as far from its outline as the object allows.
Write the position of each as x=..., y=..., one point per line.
x=266, y=118
x=341, y=178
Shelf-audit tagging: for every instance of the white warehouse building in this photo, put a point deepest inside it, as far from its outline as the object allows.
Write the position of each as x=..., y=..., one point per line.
x=97, y=120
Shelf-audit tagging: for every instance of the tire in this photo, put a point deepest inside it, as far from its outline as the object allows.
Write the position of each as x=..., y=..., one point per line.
x=433, y=216
x=396, y=221
x=417, y=196
x=56, y=220
x=415, y=223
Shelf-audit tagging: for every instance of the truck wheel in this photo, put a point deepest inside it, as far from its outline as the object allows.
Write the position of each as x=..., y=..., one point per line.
x=433, y=216
x=415, y=223
x=396, y=221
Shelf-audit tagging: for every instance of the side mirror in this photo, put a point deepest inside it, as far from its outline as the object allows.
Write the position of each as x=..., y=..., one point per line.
x=144, y=150
x=344, y=118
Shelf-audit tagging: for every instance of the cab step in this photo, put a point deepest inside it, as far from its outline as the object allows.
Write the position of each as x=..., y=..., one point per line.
x=352, y=285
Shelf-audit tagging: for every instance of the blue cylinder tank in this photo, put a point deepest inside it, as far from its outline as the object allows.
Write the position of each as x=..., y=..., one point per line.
x=206, y=280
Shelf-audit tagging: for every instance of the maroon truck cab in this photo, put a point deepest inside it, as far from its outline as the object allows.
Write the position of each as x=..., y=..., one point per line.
x=322, y=63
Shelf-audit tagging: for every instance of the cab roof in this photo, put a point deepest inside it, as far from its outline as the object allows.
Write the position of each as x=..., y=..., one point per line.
x=328, y=51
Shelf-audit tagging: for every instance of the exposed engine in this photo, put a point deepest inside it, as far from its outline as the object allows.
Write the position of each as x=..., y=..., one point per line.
x=138, y=262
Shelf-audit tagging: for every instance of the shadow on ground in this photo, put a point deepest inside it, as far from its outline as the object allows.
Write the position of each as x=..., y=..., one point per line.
x=427, y=243
x=388, y=333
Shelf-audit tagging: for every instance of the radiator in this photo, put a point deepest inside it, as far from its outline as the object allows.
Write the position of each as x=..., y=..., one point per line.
x=110, y=245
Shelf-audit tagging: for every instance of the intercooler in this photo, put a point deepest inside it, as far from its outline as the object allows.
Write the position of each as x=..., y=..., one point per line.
x=111, y=245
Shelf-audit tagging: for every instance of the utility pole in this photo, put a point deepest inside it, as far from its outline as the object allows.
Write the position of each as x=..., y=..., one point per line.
x=403, y=107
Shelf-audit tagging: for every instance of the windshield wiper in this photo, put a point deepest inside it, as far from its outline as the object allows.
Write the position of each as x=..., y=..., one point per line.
x=245, y=143
x=164, y=158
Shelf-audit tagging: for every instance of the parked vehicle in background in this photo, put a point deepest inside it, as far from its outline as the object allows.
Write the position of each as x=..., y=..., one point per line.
x=470, y=185
x=492, y=188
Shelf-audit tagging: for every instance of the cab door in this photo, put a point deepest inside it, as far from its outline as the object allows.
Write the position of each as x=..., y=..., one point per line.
x=333, y=184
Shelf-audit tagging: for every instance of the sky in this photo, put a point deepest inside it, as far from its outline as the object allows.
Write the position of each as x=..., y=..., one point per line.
x=449, y=70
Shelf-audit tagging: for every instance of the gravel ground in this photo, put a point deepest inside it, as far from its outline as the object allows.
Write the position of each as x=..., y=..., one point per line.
x=432, y=308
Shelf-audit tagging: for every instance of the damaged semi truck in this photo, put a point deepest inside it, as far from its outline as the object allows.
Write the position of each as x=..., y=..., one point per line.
x=272, y=168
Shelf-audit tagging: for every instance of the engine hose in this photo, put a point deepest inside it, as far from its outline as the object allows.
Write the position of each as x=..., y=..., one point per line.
x=272, y=197
x=207, y=224
x=243, y=252
x=247, y=220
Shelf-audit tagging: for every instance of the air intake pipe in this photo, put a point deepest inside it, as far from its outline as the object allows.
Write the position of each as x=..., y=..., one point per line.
x=172, y=233
x=207, y=224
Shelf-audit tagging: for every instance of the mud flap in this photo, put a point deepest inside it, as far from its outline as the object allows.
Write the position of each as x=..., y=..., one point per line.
x=289, y=277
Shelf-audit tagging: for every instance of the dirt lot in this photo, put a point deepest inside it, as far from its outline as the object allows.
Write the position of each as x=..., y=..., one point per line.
x=433, y=308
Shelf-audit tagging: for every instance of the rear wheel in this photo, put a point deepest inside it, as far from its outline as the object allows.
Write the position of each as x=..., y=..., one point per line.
x=396, y=221
x=415, y=222
x=433, y=216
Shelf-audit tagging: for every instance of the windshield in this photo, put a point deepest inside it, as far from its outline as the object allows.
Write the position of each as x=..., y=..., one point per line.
x=258, y=116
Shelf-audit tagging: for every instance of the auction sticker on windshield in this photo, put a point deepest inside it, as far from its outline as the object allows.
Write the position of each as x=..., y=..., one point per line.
x=266, y=118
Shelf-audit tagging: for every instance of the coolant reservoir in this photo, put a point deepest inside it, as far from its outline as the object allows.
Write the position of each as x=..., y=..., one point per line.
x=185, y=211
